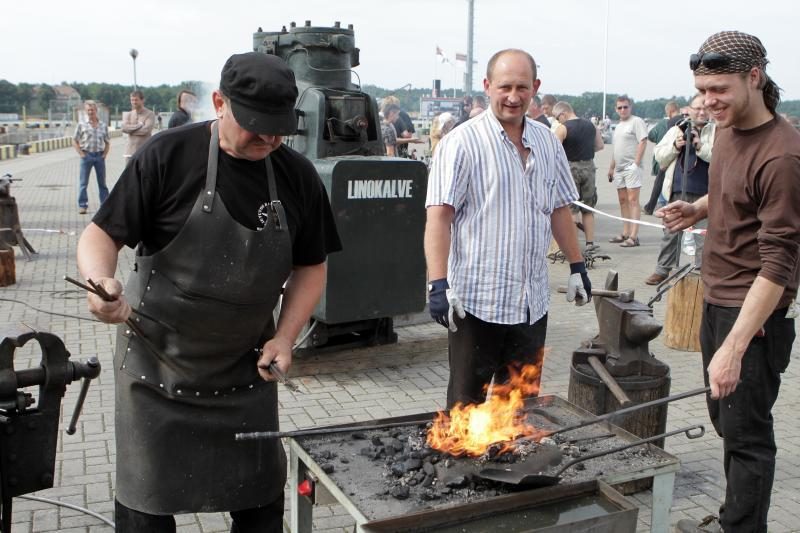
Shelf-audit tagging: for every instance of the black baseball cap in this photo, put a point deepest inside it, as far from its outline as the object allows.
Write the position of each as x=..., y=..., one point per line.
x=262, y=91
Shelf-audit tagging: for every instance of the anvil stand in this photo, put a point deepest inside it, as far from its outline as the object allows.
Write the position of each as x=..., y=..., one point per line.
x=10, y=228
x=622, y=347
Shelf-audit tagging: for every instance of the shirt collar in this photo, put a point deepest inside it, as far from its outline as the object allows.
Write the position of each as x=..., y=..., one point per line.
x=494, y=124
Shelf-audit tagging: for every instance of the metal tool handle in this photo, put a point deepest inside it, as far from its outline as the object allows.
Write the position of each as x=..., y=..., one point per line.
x=631, y=409
x=601, y=370
x=688, y=430
x=91, y=370
x=595, y=292
x=260, y=435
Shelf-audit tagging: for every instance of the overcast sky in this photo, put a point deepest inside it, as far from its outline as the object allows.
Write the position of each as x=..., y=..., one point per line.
x=649, y=42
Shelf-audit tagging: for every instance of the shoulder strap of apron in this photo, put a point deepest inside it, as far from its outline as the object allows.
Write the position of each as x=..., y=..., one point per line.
x=211, y=181
x=211, y=169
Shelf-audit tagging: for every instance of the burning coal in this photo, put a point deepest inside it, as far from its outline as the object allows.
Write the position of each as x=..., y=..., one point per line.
x=471, y=429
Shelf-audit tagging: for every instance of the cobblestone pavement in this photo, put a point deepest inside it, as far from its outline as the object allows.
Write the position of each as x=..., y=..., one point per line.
x=355, y=385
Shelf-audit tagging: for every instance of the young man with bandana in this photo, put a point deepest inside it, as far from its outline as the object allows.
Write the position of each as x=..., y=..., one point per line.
x=750, y=267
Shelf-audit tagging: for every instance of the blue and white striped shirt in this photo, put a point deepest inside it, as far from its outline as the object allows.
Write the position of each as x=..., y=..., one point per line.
x=501, y=230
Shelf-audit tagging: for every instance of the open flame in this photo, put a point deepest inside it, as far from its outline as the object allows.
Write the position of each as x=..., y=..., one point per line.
x=471, y=429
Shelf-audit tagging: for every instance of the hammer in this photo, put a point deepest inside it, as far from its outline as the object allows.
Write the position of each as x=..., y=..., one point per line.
x=624, y=296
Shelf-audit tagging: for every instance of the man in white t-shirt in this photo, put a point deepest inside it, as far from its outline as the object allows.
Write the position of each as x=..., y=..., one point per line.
x=625, y=171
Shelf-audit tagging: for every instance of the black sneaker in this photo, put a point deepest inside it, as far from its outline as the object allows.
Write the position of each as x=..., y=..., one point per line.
x=709, y=524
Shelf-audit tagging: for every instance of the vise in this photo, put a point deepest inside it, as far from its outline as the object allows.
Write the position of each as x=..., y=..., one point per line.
x=626, y=328
x=10, y=229
x=28, y=434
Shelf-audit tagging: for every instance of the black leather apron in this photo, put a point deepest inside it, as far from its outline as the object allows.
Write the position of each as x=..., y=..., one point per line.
x=177, y=411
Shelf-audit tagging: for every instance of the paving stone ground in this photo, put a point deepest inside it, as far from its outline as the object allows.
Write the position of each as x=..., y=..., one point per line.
x=355, y=385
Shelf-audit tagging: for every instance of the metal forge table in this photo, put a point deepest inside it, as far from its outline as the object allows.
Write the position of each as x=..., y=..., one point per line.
x=657, y=464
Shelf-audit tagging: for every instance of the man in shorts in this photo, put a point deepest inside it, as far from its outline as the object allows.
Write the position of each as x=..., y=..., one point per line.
x=580, y=139
x=625, y=171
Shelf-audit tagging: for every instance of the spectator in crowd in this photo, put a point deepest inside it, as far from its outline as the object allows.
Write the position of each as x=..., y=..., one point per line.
x=92, y=143
x=138, y=123
x=690, y=162
x=625, y=171
x=478, y=105
x=580, y=139
x=388, y=131
x=403, y=125
x=186, y=104
x=654, y=136
x=536, y=113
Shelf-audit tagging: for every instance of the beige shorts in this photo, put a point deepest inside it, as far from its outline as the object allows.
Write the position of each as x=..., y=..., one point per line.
x=628, y=178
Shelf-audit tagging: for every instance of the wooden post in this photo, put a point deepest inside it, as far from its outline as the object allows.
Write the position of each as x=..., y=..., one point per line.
x=684, y=314
x=8, y=273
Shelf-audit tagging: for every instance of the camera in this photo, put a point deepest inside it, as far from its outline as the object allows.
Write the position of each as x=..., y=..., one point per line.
x=684, y=124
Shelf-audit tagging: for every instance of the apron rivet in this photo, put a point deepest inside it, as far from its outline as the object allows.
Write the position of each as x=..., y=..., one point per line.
x=141, y=304
x=233, y=389
x=208, y=193
x=179, y=391
x=148, y=287
x=152, y=271
x=251, y=386
x=123, y=366
x=197, y=394
x=144, y=378
x=127, y=332
x=138, y=319
x=161, y=385
x=216, y=393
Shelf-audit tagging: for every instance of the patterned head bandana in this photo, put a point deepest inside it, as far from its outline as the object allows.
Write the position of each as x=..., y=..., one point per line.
x=728, y=52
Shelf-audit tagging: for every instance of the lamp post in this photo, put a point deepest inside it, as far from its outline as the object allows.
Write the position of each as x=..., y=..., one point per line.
x=134, y=54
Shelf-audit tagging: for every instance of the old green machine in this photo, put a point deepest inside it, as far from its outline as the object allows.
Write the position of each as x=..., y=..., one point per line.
x=378, y=201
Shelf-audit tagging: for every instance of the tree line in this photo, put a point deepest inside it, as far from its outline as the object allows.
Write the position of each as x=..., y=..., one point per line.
x=37, y=98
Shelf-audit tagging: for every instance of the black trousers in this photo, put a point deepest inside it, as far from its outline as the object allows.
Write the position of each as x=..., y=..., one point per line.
x=480, y=351
x=267, y=519
x=744, y=419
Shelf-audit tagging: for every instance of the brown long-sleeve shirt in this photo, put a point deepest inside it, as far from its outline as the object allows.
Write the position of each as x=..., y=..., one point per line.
x=753, y=212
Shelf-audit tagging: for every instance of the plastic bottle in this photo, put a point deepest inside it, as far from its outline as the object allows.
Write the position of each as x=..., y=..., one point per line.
x=688, y=244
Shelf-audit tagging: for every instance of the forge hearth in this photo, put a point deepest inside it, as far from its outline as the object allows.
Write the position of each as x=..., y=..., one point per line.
x=380, y=475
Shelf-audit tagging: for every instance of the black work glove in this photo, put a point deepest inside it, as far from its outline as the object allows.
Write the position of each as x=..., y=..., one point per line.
x=437, y=301
x=579, y=287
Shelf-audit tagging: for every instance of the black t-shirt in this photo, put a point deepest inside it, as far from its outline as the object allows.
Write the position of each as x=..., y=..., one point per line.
x=579, y=143
x=157, y=190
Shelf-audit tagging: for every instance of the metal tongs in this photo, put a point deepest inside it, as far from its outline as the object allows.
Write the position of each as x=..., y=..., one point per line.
x=670, y=282
x=97, y=289
x=279, y=375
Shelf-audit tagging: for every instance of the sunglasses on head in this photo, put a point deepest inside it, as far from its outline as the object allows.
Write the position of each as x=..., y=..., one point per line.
x=710, y=60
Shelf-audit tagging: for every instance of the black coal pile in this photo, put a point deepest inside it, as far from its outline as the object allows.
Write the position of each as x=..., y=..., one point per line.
x=393, y=472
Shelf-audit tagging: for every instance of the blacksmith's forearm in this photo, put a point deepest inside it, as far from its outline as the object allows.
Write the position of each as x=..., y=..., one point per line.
x=97, y=253
x=760, y=302
x=437, y=240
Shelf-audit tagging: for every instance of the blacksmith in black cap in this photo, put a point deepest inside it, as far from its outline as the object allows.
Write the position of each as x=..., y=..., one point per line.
x=222, y=215
x=750, y=267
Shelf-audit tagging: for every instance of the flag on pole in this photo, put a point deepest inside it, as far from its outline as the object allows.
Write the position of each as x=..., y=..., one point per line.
x=461, y=57
x=441, y=56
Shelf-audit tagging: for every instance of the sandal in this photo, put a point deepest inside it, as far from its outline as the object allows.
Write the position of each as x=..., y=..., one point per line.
x=618, y=238
x=630, y=242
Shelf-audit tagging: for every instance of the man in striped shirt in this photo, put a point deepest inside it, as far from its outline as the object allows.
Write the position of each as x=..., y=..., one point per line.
x=92, y=143
x=499, y=188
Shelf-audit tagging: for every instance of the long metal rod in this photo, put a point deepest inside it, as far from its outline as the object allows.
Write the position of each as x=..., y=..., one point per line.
x=255, y=435
x=625, y=411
